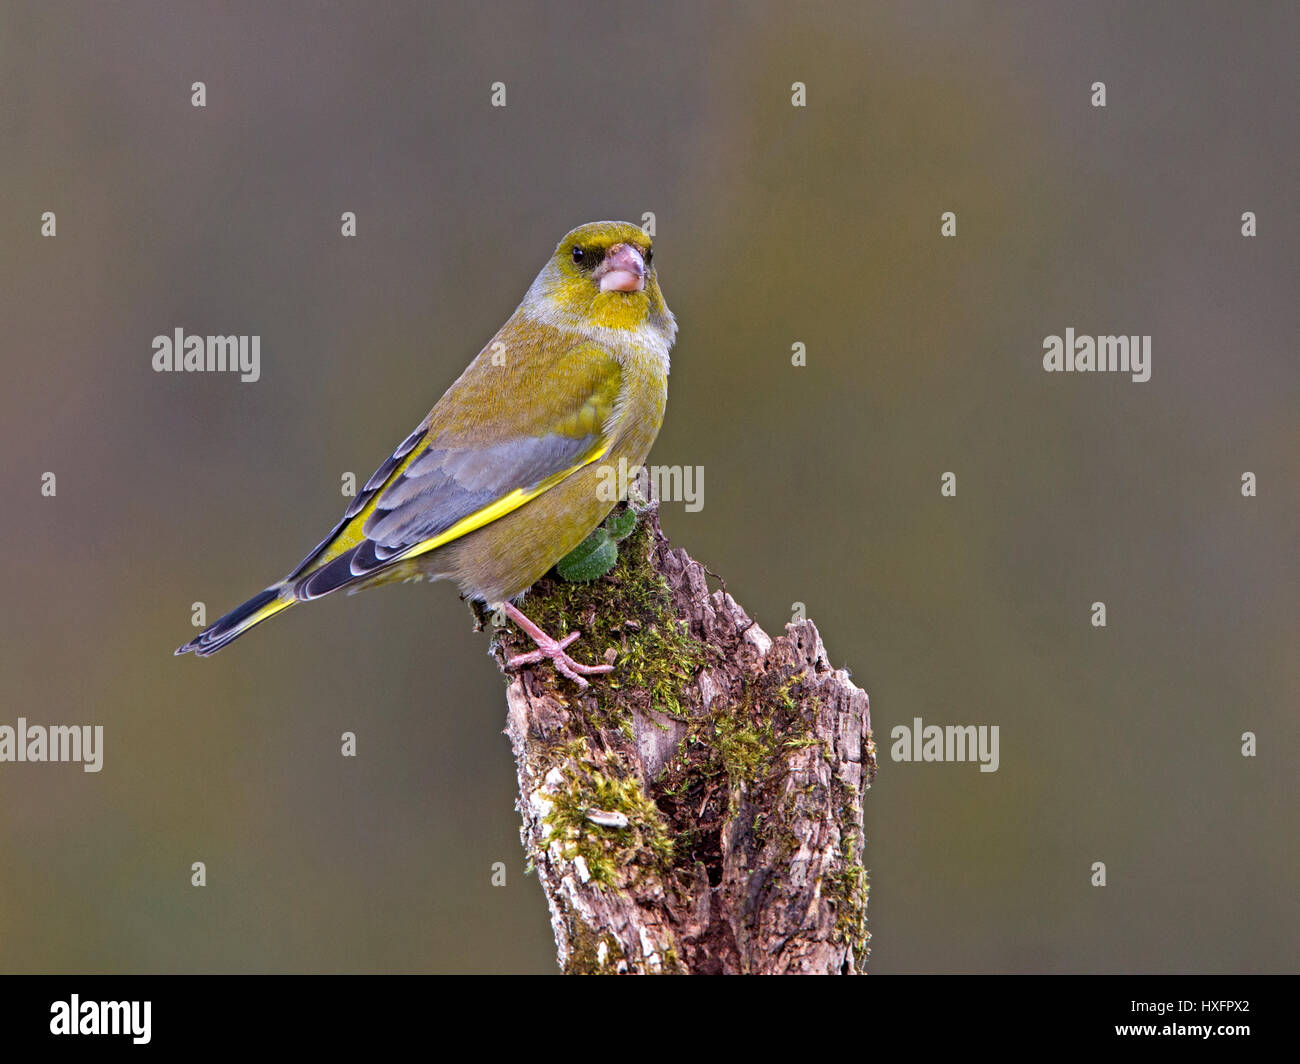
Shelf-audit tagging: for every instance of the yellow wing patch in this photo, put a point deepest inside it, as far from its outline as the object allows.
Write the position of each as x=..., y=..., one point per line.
x=500, y=508
x=353, y=531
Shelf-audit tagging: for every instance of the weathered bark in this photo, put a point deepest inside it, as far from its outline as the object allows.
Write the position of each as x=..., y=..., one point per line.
x=698, y=810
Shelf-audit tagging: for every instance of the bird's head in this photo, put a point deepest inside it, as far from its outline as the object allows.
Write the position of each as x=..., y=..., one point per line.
x=603, y=275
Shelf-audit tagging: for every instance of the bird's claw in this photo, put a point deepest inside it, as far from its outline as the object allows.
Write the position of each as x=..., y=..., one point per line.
x=554, y=649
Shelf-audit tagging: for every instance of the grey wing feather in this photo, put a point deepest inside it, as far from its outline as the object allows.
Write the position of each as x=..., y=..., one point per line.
x=441, y=487
x=367, y=493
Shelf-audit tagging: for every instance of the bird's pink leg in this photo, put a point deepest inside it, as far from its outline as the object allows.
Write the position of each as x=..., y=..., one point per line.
x=549, y=648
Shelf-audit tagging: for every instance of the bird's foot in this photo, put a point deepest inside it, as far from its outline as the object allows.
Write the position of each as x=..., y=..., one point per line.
x=554, y=649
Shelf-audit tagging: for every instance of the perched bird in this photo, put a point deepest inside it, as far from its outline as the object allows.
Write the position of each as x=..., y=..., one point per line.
x=499, y=481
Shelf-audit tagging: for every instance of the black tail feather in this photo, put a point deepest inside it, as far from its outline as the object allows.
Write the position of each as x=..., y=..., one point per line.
x=228, y=628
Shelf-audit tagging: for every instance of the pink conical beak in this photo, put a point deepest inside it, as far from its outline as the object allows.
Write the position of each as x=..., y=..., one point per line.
x=623, y=270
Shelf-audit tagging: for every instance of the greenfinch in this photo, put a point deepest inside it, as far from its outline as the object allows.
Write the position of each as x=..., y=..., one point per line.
x=503, y=478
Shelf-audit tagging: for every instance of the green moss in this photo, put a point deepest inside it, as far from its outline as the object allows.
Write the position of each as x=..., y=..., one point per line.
x=728, y=755
x=745, y=746
x=848, y=887
x=850, y=891
x=629, y=610
x=591, y=953
x=751, y=734
x=612, y=855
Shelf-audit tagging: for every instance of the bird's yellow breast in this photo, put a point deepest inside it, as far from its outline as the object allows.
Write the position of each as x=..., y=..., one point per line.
x=503, y=559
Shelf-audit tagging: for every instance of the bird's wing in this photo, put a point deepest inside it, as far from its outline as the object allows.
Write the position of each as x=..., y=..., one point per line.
x=470, y=462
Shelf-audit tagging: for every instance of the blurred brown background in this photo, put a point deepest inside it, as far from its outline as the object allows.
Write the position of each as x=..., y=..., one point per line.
x=775, y=225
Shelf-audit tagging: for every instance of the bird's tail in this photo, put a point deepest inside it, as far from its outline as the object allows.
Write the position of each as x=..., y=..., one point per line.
x=239, y=620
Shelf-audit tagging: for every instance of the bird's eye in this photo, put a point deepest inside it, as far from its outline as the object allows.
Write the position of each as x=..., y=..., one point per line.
x=649, y=254
x=578, y=254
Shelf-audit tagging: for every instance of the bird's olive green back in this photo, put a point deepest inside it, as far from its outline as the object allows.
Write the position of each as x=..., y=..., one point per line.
x=481, y=453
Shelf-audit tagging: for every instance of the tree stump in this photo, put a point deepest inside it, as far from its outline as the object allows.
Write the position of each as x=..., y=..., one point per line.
x=699, y=809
